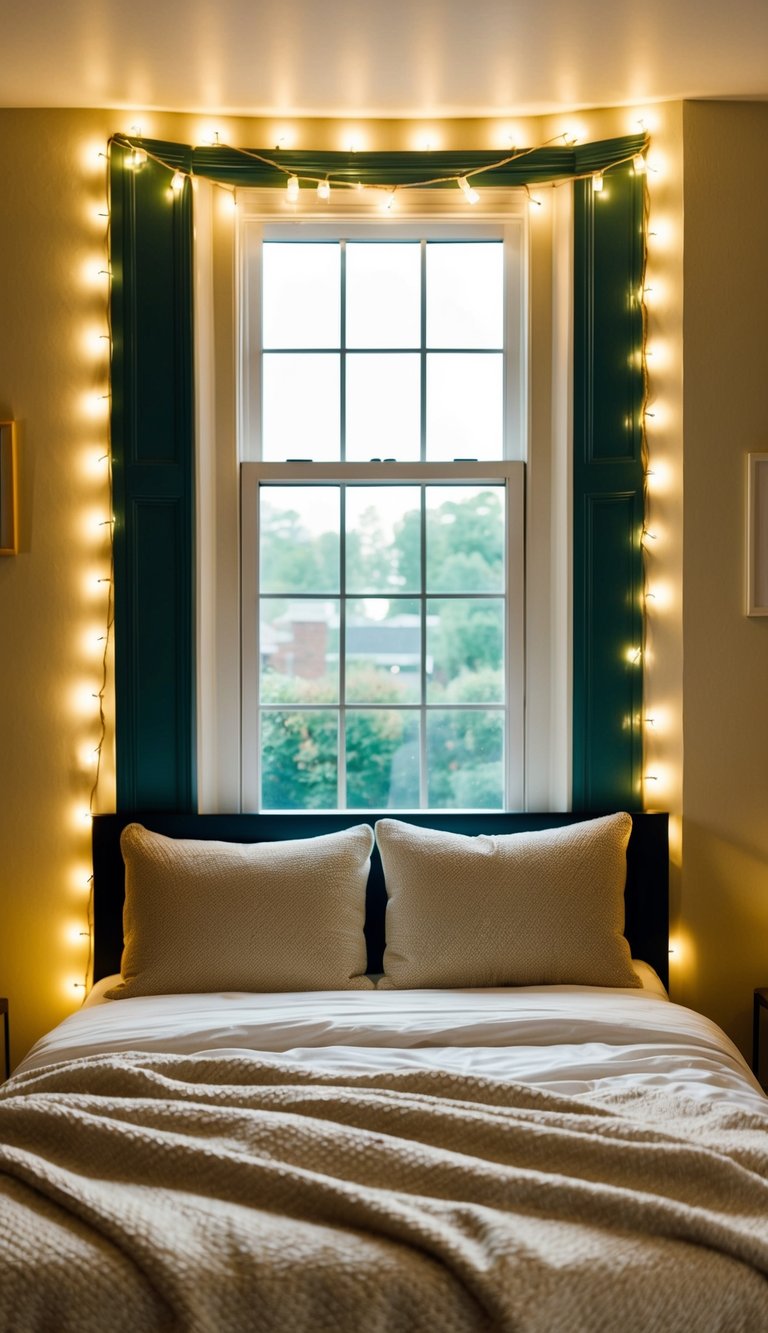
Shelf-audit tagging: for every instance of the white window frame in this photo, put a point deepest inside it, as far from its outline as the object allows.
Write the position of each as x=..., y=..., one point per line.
x=509, y=229
x=223, y=243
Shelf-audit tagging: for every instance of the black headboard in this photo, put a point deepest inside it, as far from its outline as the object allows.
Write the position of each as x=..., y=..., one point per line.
x=646, y=895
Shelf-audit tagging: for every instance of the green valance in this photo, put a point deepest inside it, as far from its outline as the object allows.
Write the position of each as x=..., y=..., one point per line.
x=243, y=167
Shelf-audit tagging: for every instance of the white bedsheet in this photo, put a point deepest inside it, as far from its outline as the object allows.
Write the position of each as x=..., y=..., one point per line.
x=568, y=1039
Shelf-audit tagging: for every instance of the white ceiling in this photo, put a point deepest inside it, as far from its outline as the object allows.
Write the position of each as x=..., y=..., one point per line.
x=410, y=58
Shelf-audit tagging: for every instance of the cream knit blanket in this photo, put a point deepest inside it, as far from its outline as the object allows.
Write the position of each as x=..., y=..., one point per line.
x=224, y=1195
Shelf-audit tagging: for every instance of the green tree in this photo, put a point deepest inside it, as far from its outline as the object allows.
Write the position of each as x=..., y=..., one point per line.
x=300, y=744
x=293, y=559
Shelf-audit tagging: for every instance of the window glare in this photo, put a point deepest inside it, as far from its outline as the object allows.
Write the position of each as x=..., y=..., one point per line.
x=465, y=294
x=383, y=406
x=465, y=405
x=301, y=295
x=383, y=295
x=300, y=411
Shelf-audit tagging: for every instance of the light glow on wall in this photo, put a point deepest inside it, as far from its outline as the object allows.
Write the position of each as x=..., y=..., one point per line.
x=428, y=139
x=85, y=697
x=353, y=139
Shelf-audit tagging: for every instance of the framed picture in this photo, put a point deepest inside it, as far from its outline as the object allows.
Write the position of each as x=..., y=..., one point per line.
x=757, y=535
x=9, y=496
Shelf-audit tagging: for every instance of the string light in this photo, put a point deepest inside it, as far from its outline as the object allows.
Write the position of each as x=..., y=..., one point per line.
x=177, y=181
x=323, y=185
x=104, y=524
x=471, y=196
x=386, y=197
x=657, y=596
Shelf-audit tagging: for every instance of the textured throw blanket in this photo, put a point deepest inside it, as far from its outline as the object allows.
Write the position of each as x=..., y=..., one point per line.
x=232, y=1194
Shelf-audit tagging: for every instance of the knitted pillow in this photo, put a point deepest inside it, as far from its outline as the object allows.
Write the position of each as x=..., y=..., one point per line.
x=270, y=916
x=519, y=909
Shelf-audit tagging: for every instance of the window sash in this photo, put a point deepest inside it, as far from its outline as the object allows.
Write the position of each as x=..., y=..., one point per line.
x=511, y=475
x=505, y=219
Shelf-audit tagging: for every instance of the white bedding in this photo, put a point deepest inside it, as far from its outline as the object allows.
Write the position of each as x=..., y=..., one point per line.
x=482, y=1161
x=569, y=1039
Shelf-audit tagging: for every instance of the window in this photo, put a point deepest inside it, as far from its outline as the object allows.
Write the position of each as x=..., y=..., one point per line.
x=383, y=518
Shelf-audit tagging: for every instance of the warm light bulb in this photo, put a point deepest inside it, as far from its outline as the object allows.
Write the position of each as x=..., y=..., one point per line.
x=79, y=877
x=177, y=181
x=470, y=195
x=323, y=190
x=137, y=158
x=640, y=164
x=292, y=189
x=597, y=182
x=661, y=595
x=659, y=477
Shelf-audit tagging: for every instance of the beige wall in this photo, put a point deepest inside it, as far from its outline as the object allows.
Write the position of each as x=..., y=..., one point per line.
x=52, y=610
x=725, y=679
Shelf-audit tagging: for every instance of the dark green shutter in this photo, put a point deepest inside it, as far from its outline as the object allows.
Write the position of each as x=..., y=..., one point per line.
x=153, y=473
x=608, y=493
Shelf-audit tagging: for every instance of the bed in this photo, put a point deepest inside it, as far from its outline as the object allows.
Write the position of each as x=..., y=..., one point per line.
x=474, y=1110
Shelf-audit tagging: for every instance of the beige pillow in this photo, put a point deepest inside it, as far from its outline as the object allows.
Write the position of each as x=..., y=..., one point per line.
x=519, y=909
x=270, y=916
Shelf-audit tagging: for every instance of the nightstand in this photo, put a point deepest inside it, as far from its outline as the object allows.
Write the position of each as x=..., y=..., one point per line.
x=7, y=1034
x=761, y=1002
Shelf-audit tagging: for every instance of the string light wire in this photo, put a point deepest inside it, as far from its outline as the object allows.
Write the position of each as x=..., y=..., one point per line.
x=461, y=178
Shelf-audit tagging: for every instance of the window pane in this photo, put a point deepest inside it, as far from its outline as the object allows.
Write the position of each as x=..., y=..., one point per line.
x=299, y=651
x=466, y=758
x=299, y=759
x=301, y=294
x=383, y=406
x=465, y=405
x=465, y=538
x=465, y=647
x=383, y=651
x=299, y=539
x=383, y=295
x=382, y=758
x=465, y=294
x=383, y=539
x=300, y=415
